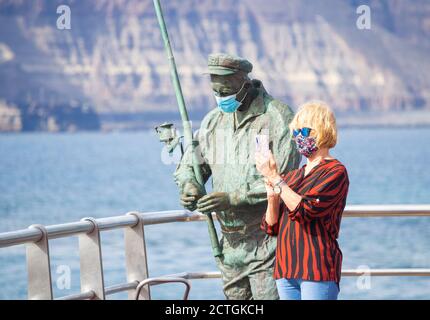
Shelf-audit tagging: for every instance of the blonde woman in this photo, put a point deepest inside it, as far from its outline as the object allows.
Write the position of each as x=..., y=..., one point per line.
x=305, y=208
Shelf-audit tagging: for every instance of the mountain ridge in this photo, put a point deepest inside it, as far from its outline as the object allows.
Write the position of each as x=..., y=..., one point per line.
x=113, y=58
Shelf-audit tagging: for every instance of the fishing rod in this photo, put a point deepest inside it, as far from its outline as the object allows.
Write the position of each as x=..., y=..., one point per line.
x=188, y=133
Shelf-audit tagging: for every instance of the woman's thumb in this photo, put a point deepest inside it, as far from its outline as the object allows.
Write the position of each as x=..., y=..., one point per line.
x=271, y=157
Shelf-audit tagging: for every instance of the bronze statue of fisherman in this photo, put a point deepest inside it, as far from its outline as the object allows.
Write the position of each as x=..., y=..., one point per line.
x=226, y=149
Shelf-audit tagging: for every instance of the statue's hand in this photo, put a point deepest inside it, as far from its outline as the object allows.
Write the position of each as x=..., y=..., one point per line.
x=215, y=201
x=190, y=194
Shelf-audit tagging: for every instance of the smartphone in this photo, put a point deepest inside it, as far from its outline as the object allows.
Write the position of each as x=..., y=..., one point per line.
x=262, y=144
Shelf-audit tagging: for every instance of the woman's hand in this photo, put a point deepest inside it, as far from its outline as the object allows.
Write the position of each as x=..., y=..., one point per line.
x=271, y=195
x=267, y=166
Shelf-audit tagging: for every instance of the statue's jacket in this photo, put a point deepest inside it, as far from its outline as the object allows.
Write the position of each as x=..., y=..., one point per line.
x=226, y=152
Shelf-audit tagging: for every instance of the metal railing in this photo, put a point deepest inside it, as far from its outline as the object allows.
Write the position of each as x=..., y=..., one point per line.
x=36, y=239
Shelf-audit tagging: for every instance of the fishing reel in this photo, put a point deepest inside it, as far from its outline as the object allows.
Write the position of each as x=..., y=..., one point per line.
x=168, y=135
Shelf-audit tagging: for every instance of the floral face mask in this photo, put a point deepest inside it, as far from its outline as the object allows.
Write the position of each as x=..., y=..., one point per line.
x=306, y=145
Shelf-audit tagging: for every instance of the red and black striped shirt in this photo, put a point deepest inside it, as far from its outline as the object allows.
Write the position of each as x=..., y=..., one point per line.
x=307, y=246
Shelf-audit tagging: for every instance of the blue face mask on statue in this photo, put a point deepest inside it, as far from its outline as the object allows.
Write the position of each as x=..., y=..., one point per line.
x=229, y=103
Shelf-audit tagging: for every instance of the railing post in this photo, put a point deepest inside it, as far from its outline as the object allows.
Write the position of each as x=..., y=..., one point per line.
x=135, y=255
x=39, y=267
x=91, y=261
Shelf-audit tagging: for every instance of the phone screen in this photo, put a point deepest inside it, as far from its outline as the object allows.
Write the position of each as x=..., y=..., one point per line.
x=262, y=144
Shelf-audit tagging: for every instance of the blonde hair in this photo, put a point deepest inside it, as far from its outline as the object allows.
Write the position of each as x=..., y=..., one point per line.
x=318, y=116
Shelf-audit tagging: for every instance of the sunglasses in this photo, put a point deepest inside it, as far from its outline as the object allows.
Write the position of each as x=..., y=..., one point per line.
x=304, y=131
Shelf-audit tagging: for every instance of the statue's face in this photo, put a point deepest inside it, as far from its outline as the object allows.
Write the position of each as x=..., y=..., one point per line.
x=227, y=85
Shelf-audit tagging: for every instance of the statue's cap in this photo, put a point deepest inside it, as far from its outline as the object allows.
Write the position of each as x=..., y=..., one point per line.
x=224, y=64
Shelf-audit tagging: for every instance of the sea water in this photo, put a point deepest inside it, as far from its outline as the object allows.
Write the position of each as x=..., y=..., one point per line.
x=58, y=178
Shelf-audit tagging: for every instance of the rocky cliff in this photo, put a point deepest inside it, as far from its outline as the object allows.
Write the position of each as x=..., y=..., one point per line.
x=113, y=60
